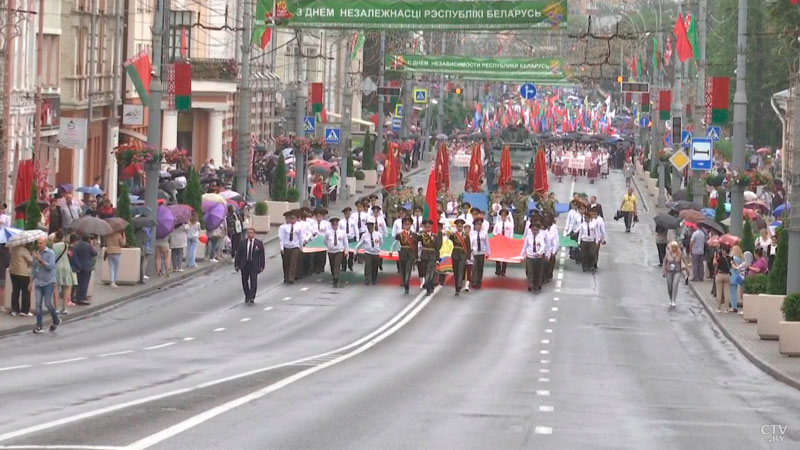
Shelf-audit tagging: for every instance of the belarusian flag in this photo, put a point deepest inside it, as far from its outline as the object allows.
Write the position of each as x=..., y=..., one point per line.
x=183, y=86
x=430, y=210
x=357, y=44
x=655, y=55
x=138, y=69
x=682, y=45
x=720, y=100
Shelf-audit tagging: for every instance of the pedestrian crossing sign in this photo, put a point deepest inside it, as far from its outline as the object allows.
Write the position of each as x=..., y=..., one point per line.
x=332, y=135
x=686, y=139
x=398, y=110
x=420, y=96
x=713, y=133
x=309, y=124
x=679, y=159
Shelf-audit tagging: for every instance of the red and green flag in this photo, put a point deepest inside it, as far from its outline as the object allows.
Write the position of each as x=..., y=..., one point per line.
x=664, y=104
x=358, y=42
x=682, y=45
x=655, y=55
x=430, y=210
x=138, y=69
x=183, y=86
x=691, y=34
x=720, y=100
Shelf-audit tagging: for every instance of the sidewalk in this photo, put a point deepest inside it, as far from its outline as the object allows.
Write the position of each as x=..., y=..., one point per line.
x=763, y=353
x=104, y=296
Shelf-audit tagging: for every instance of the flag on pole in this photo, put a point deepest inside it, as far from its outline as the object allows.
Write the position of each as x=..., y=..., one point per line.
x=184, y=44
x=664, y=103
x=183, y=86
x=655, y=55
x=668, y=52
x=359, y=42
x=138, y=69
x=720, y=100
x=429, y=210
x=682, y=45
x=691, y=34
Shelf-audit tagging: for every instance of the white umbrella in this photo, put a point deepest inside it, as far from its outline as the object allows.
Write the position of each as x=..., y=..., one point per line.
x=750, y=196
x=214, y=198
x=25, y=237
x=229, y=194
x=7, y=233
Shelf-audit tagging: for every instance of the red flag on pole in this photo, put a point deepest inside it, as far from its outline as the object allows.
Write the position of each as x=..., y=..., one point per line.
x=504, y=180
x=442, y=168
x=184, y=44
x=430, y=210
x=389, y=174
x=540, y=183
x=473, y=182
x=682, y=45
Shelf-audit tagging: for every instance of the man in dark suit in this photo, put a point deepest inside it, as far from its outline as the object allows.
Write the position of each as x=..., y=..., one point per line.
x=250, y=261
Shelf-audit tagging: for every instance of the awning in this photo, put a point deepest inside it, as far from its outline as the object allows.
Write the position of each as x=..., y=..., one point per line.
x=364, y=123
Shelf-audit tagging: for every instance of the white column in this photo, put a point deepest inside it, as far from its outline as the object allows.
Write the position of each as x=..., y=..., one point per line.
x=78, y=170
x=169, y=133
x=215, y=136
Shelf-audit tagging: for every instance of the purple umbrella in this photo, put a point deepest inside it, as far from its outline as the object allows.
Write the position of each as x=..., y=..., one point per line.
x=181, y=212
x=213, y=215
x=165, y=220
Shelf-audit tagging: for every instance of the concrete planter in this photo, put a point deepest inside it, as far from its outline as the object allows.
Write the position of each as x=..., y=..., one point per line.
x=128, y=273
x=789, y=338
x=769, y=315
x=370, y=178
x=750, y=309
x=200, y=255
x=260, y=223
x=359, y=185
x=278, y=209
x=351, y=185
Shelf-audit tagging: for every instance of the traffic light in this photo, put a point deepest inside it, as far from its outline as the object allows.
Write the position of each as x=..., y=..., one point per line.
x=620, y=79
x=458, y=90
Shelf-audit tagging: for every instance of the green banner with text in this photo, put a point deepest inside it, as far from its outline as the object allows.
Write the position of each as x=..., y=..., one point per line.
x=506, y=69
x=416, y=14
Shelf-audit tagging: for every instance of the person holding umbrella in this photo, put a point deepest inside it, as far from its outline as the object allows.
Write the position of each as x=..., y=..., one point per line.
x=42, y=282
x=84, y=254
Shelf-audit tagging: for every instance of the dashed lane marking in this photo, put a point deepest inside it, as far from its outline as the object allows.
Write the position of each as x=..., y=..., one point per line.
x=245, y=319
x=544, y=370
x=544, y=380
x=4, y=369
x=268, y=308
x=543, y=430
x=156, y=347
x=64, y=361
x=545, y=408
x=554, y=309
x=545, y=341
x=544, y=352
x=122, y=352
x=219, y=329
x=555, y=299
x=544, y=361
x=549, y=330
x=552, y=319
x=187, y=339
x=560, y=276
x=303, y=289
x=286, y=299
x=543, y=393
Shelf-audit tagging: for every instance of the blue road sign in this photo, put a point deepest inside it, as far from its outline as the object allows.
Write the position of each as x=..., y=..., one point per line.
x=397, y=123
x=420, y=96
x=714, y=133
x=528, y=91
x=668, y=140
x=309, y=124
x=686, y=139
x=491, y=99
x=332, y=135
x=702, y=153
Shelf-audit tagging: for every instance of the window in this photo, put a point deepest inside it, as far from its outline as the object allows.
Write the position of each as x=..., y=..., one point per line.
x=50, y=60
x=180, y=20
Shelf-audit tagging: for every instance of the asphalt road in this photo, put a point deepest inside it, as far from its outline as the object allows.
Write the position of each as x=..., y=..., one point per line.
x=593, y=361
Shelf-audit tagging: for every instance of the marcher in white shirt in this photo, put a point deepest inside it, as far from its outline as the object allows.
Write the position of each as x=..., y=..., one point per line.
x=291, y=242
x=397, y=226
x=416, y=224
x=380, y=222
x=479, y=241
x=371, y=242
x=554, y=244
x=600, y=226
x=351, y=231
x=336, y=242
x=588, y=239
x=504, y=227
x=534, y=248
x=360, y=218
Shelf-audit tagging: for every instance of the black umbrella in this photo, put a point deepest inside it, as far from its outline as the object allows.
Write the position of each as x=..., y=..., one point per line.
x=178, y=173
x=711, y=225
x=667, y=221
x=209, y=178
x=141, y=211
x=24, y=205
x=680, y=195
x=168, y=186
x=685, y=204
x=143, y=222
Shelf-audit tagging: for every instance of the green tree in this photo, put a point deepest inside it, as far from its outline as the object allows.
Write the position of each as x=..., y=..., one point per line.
x=748, y=241
x=124, y=212
x=368, y=154
x=193, y=194
x=719, y=211
x=277, y=191
x=33, y=214
x=778, y=273
x=351, y=169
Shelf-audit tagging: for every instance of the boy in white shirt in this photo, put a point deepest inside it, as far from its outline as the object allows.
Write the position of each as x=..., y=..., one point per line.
x=480, y=249
x=504, y=226
x=336, y=242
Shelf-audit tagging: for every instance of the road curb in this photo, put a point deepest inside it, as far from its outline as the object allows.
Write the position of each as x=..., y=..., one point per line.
x=760, y=363
x=641, y=196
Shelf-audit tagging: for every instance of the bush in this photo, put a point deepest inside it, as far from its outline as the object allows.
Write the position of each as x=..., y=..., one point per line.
x=715, y=180
x=791, y=307
x=33, y=214
x=292, y=195
x=719, y=211
x=654, y=172
x=262, y=209
x=779, y=271
x=359, y=175
x=279, y=189
x=193, y=194
x=351, y=169
x=748, y=241
x=368, y=155
x=756, y=284
x=124, y=212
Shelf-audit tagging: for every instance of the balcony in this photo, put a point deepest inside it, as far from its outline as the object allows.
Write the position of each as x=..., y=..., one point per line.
x=214, y=69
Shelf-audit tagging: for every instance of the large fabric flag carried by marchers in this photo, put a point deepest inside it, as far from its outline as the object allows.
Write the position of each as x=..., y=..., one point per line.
x=389, y=174
x=540, y=183
x=475, y=171
x=430, y=211
x=442, y=168
x=504, y=180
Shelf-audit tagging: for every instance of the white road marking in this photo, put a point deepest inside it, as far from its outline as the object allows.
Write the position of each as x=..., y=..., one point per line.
x=555, y=299
x=544, y=352
x=552, y=319
x=303, y=289
x=543, y=430
x=64, y=361
x=544, y=380
x=543, y=393
x=123, y=352
x=62, y=447
x=156, y=347
x=3, y=369
x=544, y=370
x=548, y=330
x=544, y=361
x=219, y=329
x=207, y=415
x=286, y=299
x=187, y=339
x=554, y=309
x=245, y=319
x=141, y=401
x=545, y=341
x=558, y=283
x=544, y=408
x=560, y=276
x=558, y=290
x=268, y=308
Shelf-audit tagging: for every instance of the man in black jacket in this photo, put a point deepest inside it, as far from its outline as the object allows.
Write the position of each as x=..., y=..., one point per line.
x=250, y=261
